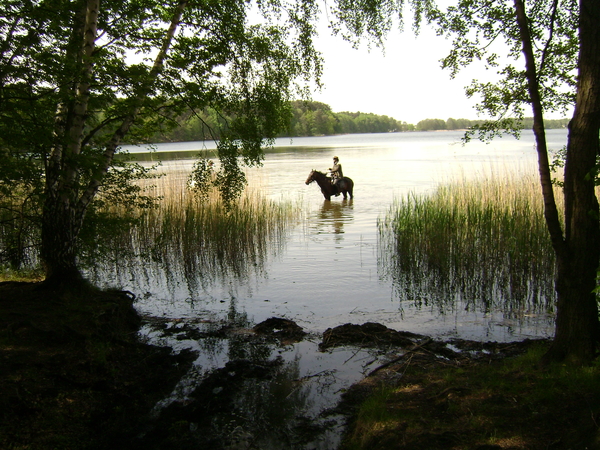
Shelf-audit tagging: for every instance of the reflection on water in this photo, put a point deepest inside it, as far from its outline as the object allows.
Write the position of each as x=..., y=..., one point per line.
x=188, y=251
x=331, y=218
x=323, y=270
x=253, y=391
x=481, y=246
x=485, y=287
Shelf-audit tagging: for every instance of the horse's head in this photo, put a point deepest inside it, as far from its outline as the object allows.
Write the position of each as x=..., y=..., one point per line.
x=310, y=178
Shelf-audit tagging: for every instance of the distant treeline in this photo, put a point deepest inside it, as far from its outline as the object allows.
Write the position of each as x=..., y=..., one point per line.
x=463, y=124
x=317, y=119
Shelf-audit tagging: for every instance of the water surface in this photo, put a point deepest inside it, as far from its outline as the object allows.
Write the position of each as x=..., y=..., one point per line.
x=327, y=271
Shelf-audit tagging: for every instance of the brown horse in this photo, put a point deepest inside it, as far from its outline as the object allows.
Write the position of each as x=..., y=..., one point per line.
x=342, y=186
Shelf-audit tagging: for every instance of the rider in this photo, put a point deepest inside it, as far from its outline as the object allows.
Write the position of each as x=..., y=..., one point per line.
x=336, y=172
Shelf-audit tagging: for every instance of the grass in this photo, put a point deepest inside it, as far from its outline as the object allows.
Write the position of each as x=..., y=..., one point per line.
x=21, y=275
x=181, y=233
x=505, y=404
x=205, y=234
x=203, y=238
x=482, y=242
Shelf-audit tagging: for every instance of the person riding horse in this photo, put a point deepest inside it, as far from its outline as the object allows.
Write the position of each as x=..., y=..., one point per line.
x=336, y=172
x=344, y=185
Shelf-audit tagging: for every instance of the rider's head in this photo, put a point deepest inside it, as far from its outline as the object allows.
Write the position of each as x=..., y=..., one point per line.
x=335, y=159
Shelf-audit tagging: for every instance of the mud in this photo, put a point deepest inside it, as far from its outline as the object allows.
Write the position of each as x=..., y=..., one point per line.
x=211, y=416
x=74, y=376
x=367, y=335
x=284, y=330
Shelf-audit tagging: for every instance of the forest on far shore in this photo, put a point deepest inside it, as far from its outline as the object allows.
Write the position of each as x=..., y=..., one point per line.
x=311, y=118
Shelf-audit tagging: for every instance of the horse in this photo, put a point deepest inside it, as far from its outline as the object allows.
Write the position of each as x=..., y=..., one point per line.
x=342, y=186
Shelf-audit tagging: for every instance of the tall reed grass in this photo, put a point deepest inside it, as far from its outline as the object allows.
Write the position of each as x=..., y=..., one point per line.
x=202, y=239
x=482, y=243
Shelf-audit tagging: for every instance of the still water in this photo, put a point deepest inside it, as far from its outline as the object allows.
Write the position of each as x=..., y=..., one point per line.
x=326, y=270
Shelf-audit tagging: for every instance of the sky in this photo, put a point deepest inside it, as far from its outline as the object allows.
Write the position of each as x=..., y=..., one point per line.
x=405, y=81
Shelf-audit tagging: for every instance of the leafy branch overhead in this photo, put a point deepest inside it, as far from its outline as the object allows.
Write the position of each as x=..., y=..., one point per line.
x=487, y=34
x=79, y=77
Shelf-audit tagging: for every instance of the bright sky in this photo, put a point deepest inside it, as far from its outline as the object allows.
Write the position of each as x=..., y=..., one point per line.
x=406, y=83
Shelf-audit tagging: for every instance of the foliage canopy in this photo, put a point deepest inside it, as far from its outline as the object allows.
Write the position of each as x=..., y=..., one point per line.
x=487, y=33
x=77, y=77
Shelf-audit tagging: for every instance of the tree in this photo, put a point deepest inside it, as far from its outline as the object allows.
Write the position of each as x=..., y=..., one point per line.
x=558, y=44
x=431, y=125
x=77, y=77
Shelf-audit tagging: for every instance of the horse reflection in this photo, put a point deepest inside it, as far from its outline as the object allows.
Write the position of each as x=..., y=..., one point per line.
x=332, y=217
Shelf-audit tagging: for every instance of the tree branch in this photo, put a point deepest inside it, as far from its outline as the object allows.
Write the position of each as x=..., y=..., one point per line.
x=138, y=101
x=550, y=36
x=550, y=210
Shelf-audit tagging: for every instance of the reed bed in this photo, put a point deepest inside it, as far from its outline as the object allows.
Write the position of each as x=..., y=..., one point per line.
x=481, y=243
x=202, y=239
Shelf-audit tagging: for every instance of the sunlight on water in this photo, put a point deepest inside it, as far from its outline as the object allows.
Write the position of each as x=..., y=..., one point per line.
x=327, y=268
x=325, y=271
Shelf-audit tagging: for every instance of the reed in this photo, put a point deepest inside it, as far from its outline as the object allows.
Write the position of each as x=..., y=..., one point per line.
x=203, y=239
x=481, y=242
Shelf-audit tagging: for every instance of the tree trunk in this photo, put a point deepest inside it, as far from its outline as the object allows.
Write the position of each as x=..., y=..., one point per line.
x=577, y=327
x=65, y=206
x=60, y=228
x=61, y=221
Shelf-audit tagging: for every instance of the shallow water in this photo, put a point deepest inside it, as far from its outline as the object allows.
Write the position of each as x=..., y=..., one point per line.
x=327, y=270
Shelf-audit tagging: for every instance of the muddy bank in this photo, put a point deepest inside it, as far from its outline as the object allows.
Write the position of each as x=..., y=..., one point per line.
x=211, y=416
x=75, y=375
x=72, y=371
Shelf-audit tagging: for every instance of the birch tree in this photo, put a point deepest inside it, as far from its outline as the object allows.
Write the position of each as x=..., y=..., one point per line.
x=552, y=64
x=79, y=77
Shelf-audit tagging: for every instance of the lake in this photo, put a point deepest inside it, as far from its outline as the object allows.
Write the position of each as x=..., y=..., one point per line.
x=327, y=270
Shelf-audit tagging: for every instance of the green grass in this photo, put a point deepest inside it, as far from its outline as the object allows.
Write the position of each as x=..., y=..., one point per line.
x=484, y=242
x=28, y=275
x=512, y=403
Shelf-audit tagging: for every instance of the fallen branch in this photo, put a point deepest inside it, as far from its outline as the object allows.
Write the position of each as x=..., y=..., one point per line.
x=395, y=360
